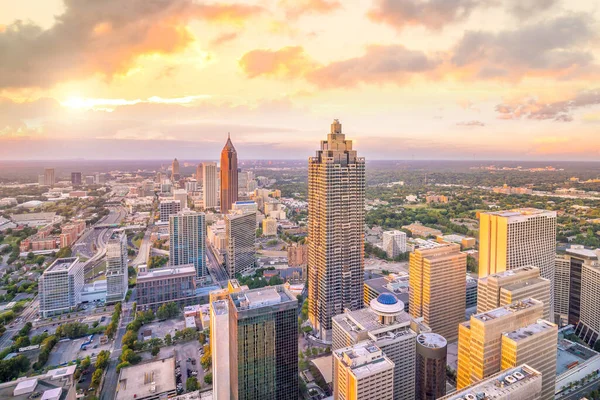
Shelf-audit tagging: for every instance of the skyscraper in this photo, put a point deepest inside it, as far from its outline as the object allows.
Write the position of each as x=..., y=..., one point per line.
x=431, y=366
x=117, y=279
x=49, y=178
x=516, y=238
x=209, y=191
x=438, y=288
x=229, y=176
x=263, y=344
x=199, y=173
x=175, y=175
x=187, y=240
x=76, y=178
x=240, y=234
x=336, y=214
x=60, y=286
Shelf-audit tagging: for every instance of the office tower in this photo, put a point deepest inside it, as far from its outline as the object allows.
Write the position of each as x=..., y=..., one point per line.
x=191, y=186
x=263, y=344
x=199, y=173
x=117, y=279
x=520, y=383
x=362, y=371
x=568, y=282
x=209, y=189
x=187, y=240
x=480, y=339
x=431, y=366
x=516, y=238
x=390, y=328
x=297, y=254
x=219, y=348
x=181, y=196
x=175, y=175
x=159, y=286
x=588, y=326
x=60, y=287
x=471, y=292
x=506, y=287
x=438, y=288
x=240, y=235
x=229, y=176
x=76, y=178
x=166, y=208
x=394, y=243
x=49, y=178
x=534, y=345
x=336, y=215
x=269, y=226
x=159, y=177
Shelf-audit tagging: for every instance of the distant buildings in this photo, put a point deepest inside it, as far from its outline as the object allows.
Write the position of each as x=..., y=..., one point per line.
x=210, y=184
x=166, y=208
x=187, y=240
x=116, y=267
x=394, y=243
x=297, y=254
x=60, y=287
x=429, y=199
x=336, y=201
x=70, y=233
x=175, y=175
x=199, y=173
x=464, y=241
x=418, y=229
x=181, y=196
x=269, y=226
x=438, y=288
x=229, y=176
x=158, y=286
x=431, y=366
x=76, y=178
x=505, y=189
x=49, y=178
x=240, y=234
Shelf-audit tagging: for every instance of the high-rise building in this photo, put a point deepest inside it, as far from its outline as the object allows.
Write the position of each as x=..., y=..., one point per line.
x=187, y=240
x=506, y=287
x=534, y=345
x=159, y=286
x=49, y=178
x=297, y=254
x=175, y=175
x=588, y=325
x=438, y=288
x=117, y=279
x=181, y=196
x=166, y=208
x=336, y=214
x=520, y=383
x=394, y=243
x=516, y=238
x=219, y=349
x=240, y=235
x=199, y=173
x=390, y=328
x=362, y=371
x=480, y=339
x=269, y=226
x=263, y=344
x=76, y=178
x=209, y=188
x=229, y=176
x=431, y=366
x=60, y=287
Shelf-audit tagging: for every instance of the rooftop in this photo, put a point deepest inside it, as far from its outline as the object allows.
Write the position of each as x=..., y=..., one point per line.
x=220, y=307
x=507, y=310
x=367, y=319
x=513, y=272
x=523, y=212
x=579, y=250
x=570, y=354
x=530, y=330
x=62, y=264
x=167, y=271
x=263, y=297
x=146, y=379
x=364, y=359
x=432, y=340
x=527, y=282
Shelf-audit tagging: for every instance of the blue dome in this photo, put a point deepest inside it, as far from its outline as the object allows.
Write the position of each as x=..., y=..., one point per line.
x=387, y=299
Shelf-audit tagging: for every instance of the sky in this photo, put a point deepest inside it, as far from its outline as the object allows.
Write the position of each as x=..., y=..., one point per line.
x=408, y=79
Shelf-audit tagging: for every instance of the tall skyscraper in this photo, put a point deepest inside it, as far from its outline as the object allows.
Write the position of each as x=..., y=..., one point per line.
x=394, y=243
x=431, y=366
x=506, y=287
x=60, y=286
x=480, y=339
x=49, y=178
x=187, y=240
x=516, y=238
x=76, y=178
x=438, y=288
x=240, y=234
x=209, y=188
x=117, y=279
x=263, y=344
x=229, y=176
x=336, y=215
x=175, y=175
x=362, y=371
x=199, y=173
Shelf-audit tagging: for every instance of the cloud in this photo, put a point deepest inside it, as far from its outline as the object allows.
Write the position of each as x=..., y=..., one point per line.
x=103, y=37
x=550, y=48
x=224, y=38
x=432, y=14
x=561, y=111
x=287, y=62
x=525, y=9
x=470, y=123
x=297, y=8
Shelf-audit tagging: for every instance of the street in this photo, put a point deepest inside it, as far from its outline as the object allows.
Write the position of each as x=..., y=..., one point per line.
x=217, y=272
x=582, y=392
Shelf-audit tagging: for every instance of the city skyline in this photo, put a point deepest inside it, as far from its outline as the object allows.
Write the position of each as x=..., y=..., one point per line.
x=467, y=81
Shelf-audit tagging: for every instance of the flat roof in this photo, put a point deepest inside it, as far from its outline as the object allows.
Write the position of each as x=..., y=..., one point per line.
x=220, y=307
x=570, y=354
x=527, y=282
x=522, y=212
x=582, y=251
x=146, y=379
x=529, y=330
x=62, y=264
x=167, y=271
x=506, y=310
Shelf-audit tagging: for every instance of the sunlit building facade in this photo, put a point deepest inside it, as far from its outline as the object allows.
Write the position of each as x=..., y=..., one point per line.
x=229, y=176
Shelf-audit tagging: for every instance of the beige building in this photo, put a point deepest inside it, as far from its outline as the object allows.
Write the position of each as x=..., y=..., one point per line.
x=362, y=371
x=219, y=347
x=210, y=185
x=438, y=288
x=418, y=229
x=507, y=287
x=534, y=345
x=520, y=383
x=479, y=340
x=269, y=226
x=588, y=328
x=336, y=218
x=516, y=238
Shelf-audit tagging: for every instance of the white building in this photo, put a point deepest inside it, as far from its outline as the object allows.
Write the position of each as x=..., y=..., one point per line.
x=117, y=278
x=210, y=189
x=60, y=287
x=167, y=208
x=181, y=195
x=394, y=243
x=187, y=240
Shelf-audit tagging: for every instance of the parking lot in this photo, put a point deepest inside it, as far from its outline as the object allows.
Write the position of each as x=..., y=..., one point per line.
x=188, y=359
x=161, y=328
x=70, y=350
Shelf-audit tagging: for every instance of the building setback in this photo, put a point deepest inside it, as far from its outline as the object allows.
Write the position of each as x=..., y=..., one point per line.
x=336, y=214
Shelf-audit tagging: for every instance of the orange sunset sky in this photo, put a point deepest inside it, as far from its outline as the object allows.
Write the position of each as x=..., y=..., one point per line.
x=430, y=79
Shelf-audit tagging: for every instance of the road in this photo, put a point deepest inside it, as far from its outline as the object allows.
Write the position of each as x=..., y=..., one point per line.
x=216, y=270
x=582, y=392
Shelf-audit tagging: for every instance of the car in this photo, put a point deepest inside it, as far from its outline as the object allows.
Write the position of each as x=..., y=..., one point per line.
x=45, y=330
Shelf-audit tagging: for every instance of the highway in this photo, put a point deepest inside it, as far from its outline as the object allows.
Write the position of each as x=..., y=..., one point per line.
x=215, y=269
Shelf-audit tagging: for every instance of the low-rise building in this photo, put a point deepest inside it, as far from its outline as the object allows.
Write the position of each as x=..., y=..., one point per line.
x=418, y=229
x=151, y=380
x=158, y=286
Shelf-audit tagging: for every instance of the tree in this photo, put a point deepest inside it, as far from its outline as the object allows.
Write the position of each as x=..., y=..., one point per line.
x=102, y=359
x=155, y=351
x=64, y=252
x=122, y=365
x=202, y=338
x=97, y=377
x=206, y=359
x=128, y=338
x=275, y=280
x=191, y=384
x=168, y=339
x=85, y=363
x=208, y=378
